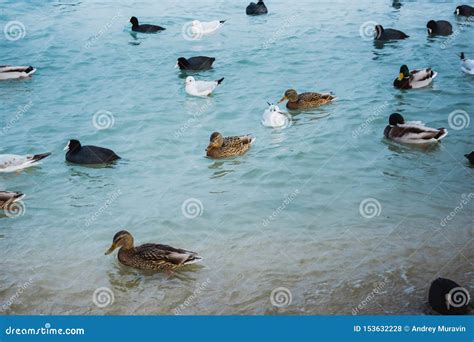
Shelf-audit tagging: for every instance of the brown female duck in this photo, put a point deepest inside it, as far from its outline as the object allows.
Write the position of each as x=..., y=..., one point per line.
x=150, y=256
x=305, y=100
x=224, y=147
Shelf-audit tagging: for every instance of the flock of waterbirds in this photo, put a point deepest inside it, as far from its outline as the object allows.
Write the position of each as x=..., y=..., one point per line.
x=163, y=257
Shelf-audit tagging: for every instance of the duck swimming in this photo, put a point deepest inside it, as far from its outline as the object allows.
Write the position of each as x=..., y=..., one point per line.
x=150, y=256
x=13, y=162
x=412, y=132
x=195, y=63
x=414, y=79
x=10, y=72
x=439, y=28
x=78, y=154
x=388, y=34
x=225, y=147
x=305, y=100
x=144, y=28
x=442, y=295
x=467, y=65
x=258, y=8
x=464, y=10
x=9, y=197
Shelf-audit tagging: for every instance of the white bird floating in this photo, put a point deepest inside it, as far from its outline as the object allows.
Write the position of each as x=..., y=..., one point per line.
x=10, y=72
x=13, y=162
x=200, y=88
x=200, y=28
x=467, y=65
x=273, y=117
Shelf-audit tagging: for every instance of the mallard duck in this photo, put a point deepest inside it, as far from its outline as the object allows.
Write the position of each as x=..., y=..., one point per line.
x=443, y=293
x=412, y=132
x=220, y=147
x=9, y=197
x=10, y=72
x=88, y=154
x=144, y=28
x=13, y=162
x=201, y=88
x=439, y=28
x=388, y=34
x=470, y=157
x=414, y=79
x=150, y=256
x=273, y=117
x=305, y=100
x=467, y=65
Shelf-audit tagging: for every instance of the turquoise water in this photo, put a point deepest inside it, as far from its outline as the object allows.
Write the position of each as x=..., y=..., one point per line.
x=284, y=215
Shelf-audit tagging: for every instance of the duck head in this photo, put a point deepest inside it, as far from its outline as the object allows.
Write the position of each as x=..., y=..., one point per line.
x=72, y=145
x=404, y=72
x=458, y=10
x=122, y=239
x=461, y=55
x=396, y=119
x=431, y=26
x=134, y=21
x=290, y=95
x=215, y=141
x=378, y=31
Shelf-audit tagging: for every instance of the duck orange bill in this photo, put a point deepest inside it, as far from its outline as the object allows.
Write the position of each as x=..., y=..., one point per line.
x=282, y=99
x=111, y=249
x=401, y=76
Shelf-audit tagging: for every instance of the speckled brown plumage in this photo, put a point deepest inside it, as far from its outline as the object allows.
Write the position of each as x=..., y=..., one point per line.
x=150, y=256
x=305, y=100
x=224, y=147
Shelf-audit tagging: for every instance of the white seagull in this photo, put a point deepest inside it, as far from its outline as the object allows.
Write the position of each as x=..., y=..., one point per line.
x=467, y=65
x=206, y=27
x=10, y=72
x=274, y=117
x=13, y=162
x=201, y=88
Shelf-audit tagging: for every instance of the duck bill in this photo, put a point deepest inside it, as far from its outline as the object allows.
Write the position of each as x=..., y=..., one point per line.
x=283, y=99
x=111, y=249
x=401, y=76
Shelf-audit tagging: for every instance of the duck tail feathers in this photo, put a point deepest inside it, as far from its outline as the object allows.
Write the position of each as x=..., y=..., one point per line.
x=222, y=21
x=442, y=133
x=219, y=81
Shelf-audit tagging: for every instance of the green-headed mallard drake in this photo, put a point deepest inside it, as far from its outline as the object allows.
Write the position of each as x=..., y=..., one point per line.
x=9, y=197
x=224, y=147
x=305, y=100
x=414, y=132
x=150, y=256
x=414, y=79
